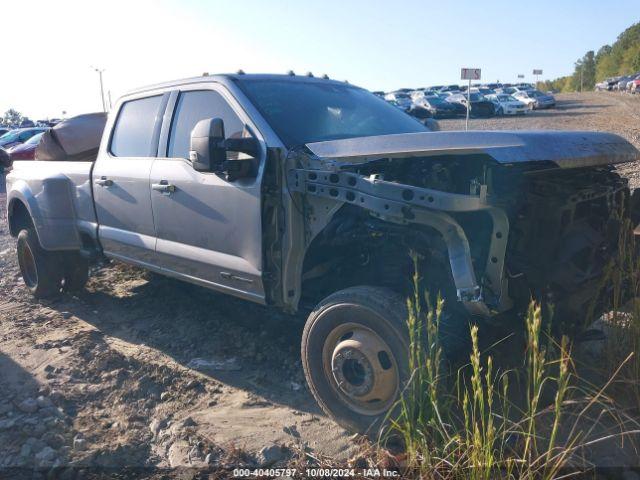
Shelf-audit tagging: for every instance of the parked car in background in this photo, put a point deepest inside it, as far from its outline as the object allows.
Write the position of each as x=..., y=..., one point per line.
x=21, y=135
x=630, y=85
x=438, y=107
x=420, y=112
x=525, y=98
x=26, y=150
x=417, y=95
x=507, y=105
x=402, y=99
x=612, y=82
x=601, y=86
x=621, y=84
x=478, y=105
x=543, y=100
x=485, y=91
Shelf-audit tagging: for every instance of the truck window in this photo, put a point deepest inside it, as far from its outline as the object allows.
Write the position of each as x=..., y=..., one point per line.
x=133, y=132
x=195, y=106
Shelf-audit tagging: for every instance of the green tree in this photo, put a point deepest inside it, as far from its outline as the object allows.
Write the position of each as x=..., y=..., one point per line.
x=589, y=70
x=620, y=58
x=12, y=118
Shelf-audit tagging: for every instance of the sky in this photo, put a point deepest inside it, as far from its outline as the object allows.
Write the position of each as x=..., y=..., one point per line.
x=50, y=49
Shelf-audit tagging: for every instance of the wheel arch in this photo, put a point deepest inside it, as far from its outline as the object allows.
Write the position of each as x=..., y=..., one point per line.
x=18, y=216
x=50, y=212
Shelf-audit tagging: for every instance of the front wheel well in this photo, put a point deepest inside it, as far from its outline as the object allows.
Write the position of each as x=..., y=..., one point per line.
x=19, y=217
x=358, y=249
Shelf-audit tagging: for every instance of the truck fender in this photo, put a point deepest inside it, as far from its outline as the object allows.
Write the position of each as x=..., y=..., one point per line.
x=51, y=211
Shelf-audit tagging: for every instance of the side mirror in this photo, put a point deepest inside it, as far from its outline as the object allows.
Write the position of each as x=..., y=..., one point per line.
x=209, y=147
x=207, y=152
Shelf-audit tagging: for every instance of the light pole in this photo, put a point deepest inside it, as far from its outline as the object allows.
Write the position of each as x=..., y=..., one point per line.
x=104, y=105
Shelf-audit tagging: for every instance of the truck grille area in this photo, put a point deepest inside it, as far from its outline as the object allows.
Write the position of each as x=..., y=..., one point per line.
x=564, y=236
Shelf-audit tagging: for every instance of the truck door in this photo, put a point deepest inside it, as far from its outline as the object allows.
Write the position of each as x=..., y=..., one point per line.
x=208, y=230
x=121, y=181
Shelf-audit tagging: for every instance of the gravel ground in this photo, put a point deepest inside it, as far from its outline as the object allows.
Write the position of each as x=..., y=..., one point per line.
x=144, y=371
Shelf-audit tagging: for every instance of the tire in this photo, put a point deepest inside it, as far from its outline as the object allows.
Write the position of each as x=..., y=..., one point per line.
x=76, y=272
x=42, y=271
x=355, y=348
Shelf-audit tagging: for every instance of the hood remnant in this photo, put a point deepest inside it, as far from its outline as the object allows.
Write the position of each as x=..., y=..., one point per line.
x=564, y=149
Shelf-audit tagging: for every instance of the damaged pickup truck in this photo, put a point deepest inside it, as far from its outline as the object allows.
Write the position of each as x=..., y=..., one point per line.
x=298, y=191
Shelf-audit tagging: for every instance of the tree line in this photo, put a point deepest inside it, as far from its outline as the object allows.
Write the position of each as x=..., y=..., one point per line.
x=12, y=118
x=621, y=58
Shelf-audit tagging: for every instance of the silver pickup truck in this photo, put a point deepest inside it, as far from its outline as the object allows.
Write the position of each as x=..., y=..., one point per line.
x=298, y=191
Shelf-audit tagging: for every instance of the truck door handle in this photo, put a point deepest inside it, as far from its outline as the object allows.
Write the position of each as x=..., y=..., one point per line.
x=104, y=182
x=164, y=187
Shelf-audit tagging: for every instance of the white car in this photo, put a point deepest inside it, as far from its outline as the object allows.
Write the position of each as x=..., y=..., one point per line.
x=525, y=98
x=508, y=105
x=401, y=100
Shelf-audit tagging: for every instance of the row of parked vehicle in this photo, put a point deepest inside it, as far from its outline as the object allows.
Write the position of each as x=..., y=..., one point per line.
x=18, y=144
x=447, y=101
x=624, y=83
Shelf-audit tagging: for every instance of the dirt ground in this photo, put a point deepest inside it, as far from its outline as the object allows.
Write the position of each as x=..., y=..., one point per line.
x=144, y=371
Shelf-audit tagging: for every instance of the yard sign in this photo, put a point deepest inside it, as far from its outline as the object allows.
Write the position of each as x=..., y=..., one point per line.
x=469, y=74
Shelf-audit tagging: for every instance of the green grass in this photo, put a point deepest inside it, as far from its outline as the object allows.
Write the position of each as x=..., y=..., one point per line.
x=536, y=421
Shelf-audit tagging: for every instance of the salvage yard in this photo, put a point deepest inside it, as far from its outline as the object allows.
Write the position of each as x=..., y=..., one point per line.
x=145, y=371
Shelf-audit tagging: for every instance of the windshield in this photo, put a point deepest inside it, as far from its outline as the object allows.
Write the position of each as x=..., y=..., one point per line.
x=435, y=100
x=35, y=139
x=475, y=97
x=304, y=112
x=9, y=136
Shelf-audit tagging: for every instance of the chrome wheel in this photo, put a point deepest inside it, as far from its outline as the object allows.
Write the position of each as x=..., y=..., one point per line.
x=361, y=368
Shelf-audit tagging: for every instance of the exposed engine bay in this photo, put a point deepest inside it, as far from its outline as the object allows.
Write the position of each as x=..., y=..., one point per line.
x=489, y=235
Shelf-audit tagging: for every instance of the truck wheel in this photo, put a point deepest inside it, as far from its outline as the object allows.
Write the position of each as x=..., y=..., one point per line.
x=76, y=272
x=41, y=270
x=355, y=355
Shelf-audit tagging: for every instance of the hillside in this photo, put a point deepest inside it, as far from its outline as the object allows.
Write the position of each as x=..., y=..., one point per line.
x=620, y=58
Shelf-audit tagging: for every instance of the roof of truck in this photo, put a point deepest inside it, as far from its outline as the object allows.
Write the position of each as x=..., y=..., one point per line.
x=225, y=77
